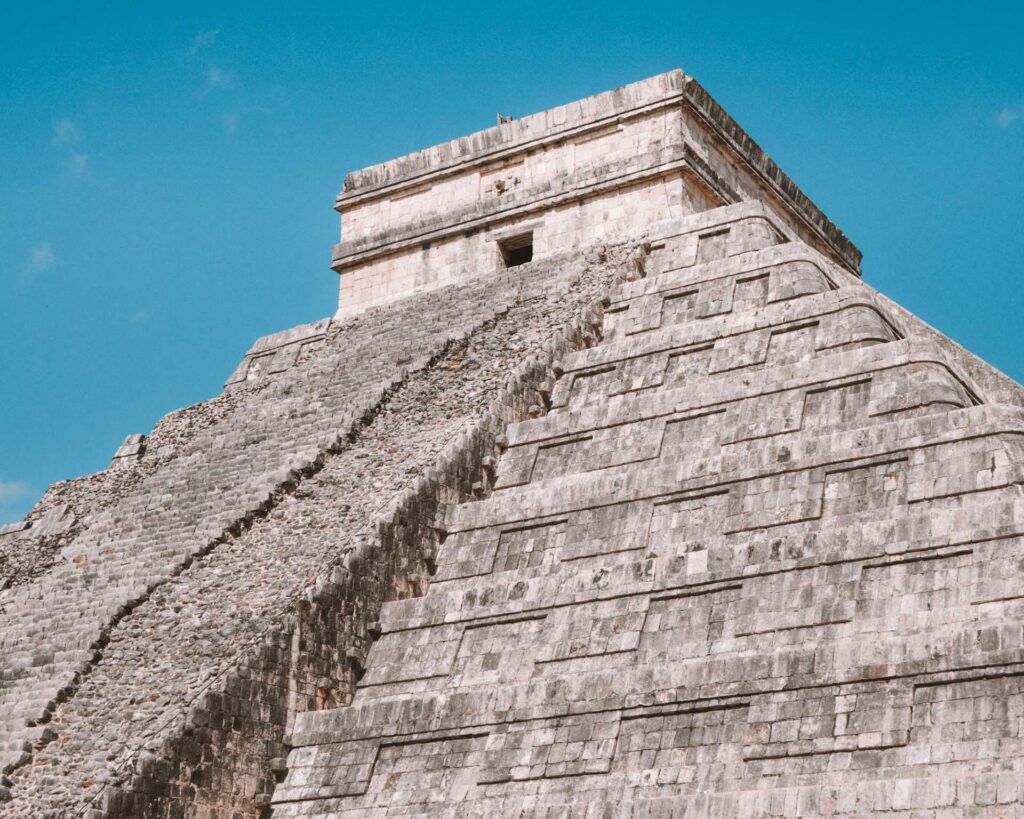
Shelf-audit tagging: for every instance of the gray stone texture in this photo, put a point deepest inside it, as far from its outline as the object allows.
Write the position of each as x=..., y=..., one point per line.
x=183, y=694
x=758, y=560
x=680, y=518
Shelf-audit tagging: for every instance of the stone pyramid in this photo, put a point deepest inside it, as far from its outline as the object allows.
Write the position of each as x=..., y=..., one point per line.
x=610, y=490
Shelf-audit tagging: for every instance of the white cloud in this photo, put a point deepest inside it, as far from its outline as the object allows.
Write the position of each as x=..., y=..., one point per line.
x=1009, y=115
x=231, y=120
x=79, y=164
x=42, y=256
x=139, y=316
x=11, y=491
x=65, y=132
x=15, y=500
x=67, y=140
x=219, y=77
x=204, y=39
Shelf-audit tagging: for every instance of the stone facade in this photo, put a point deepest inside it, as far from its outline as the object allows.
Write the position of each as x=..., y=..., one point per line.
x=599, y=170
x=676, y=517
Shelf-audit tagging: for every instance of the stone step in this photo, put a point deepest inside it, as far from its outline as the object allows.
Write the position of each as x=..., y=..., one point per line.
x=726, y=388
x=779, y=335
x=871, y=535
x=732, y=286
x=674, y=430
x=974, y=449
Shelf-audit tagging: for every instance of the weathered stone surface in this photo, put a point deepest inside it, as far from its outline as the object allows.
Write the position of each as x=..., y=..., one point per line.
x=755, y=561
x=207, y=658
x=678, y=518
x=597, y=170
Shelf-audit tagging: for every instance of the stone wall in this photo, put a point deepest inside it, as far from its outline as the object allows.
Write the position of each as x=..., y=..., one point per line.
x=611, y=216
x=757, y=560
x=601, y=169
x=182, y=702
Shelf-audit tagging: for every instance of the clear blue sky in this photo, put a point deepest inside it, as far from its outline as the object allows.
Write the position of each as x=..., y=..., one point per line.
x=167, y=170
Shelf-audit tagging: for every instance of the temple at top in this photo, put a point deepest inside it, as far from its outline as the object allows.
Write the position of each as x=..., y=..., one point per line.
x=598, y=170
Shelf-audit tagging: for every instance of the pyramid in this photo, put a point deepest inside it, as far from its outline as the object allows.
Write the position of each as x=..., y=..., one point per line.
x=610, y=490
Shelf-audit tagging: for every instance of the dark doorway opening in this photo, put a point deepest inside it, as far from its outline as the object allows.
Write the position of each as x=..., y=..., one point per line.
x=516, y=250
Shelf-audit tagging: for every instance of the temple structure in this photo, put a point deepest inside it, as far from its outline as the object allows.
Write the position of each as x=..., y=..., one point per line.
x=610, y=489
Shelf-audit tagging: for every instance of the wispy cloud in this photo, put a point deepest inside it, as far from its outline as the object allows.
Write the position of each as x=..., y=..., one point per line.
x=67, y=139
x=40, y=258
x=231, y=120
x=11, y=491
x=139, y=316
x=15, y=500
x=219, y=77
x=225, y=89
x=65, y=132
x=204, y=39
x=1009, y=115
x=79, y=164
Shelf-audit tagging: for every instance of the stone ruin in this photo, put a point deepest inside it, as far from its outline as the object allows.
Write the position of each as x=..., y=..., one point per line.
x=609, y=490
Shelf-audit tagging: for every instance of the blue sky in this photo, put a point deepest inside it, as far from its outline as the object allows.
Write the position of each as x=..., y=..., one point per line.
x=167, y=171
